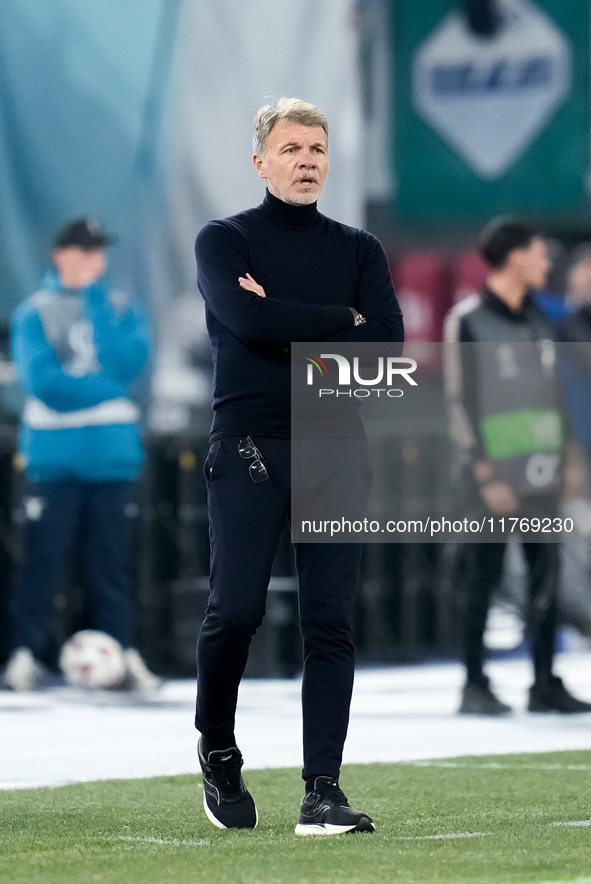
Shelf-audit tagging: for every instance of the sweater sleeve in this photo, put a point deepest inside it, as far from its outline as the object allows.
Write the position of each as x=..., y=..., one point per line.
x=41, y=373
x=221, y=259
x=461, y=386
x=377, y=300
x=120, y=336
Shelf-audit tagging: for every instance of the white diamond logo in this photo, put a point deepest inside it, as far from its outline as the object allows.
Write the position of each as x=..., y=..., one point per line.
x=490, y=97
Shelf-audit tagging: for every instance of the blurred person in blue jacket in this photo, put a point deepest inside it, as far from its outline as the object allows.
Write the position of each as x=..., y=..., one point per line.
x=78, y=346
x=574, y=329
x=550, y=298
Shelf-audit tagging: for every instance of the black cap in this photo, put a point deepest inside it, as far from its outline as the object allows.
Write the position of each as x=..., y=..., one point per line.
x=86, y=233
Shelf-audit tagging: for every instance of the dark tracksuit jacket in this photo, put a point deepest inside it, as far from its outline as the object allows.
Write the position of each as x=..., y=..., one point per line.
x=505, y=405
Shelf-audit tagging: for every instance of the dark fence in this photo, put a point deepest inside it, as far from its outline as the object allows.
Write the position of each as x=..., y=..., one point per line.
x=410, y=596
x=406, y=604
x=407, y=600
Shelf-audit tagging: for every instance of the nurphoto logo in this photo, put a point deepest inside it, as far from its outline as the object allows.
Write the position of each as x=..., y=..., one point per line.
x=389, y=370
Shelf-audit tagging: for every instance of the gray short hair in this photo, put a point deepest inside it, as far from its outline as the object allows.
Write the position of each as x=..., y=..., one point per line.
x=292, y=109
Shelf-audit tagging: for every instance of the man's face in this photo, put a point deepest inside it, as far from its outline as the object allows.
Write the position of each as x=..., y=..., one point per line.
x=295, y=165
x=532, y=263
x=579, y=280
x=79, y=267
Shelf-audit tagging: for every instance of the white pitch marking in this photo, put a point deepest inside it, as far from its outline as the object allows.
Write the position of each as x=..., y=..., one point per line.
x=573, y=823
x=443, y=837
x=173, y=842
x=495, y=765
x=571, y=881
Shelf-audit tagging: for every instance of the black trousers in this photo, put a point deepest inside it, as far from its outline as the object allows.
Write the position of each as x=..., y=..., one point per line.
x=245, y=523
x=484, y=566
x=98, y=517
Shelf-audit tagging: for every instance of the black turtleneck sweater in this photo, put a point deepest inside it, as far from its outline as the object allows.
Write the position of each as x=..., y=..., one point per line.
x=312, y=270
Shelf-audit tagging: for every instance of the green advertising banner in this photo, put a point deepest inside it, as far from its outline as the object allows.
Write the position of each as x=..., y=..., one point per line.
x=484, y=125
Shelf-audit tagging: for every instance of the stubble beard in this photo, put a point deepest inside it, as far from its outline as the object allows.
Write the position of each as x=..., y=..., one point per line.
x=306, y=199
x=301, y=199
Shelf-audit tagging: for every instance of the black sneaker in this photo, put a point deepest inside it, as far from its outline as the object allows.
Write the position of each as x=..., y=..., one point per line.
x=326, y=811
x=227, y=802
x=552, y=696
x=478, y=699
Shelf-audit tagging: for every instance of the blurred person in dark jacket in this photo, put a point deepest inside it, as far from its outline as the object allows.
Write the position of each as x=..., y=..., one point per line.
x=506, y=407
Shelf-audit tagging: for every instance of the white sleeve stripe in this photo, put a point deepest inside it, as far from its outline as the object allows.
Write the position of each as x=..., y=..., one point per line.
x=453, y=378
x=38, y=416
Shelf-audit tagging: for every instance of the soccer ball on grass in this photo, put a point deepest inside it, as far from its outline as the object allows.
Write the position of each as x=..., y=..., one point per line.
x=92, y=659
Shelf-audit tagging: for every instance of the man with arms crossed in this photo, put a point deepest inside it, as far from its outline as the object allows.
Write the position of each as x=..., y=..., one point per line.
x=277, y=273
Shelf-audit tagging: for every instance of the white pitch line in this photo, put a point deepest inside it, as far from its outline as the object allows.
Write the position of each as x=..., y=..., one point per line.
x=573, y=823
x=176, y=842
x=442, y=837
x=495, y=765
x=172, y=842
x=570, y=881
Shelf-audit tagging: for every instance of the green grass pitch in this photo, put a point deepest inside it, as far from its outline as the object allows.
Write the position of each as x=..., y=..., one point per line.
x=521, y=819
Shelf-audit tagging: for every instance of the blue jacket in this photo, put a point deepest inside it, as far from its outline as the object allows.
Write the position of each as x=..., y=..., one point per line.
x=77, y=353
x=573, y=327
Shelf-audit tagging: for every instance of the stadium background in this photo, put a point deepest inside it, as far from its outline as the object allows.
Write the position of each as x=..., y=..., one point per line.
x=141, y=113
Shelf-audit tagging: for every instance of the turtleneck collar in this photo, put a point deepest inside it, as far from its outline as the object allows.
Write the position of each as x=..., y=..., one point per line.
x=292, y=216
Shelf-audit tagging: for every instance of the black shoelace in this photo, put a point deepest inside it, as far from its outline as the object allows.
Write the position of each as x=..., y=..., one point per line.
x=331, y=792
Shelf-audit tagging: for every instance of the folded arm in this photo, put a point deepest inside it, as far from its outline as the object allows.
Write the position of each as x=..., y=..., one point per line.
x=377, y=300
x=42, y=375
x=221, y=261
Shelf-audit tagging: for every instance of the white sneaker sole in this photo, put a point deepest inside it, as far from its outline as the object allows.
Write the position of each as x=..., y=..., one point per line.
x=322, y=829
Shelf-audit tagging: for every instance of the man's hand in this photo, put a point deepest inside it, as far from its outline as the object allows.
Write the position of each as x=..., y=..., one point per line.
x=248, y=283
x=499, y=498
x=574, y=473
